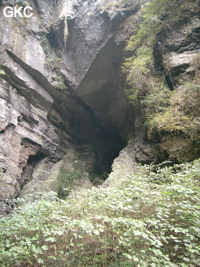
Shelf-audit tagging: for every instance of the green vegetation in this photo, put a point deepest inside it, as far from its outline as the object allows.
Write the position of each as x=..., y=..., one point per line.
x=60, y=83
x=182, y=114
x=150, y=219
x=2, y=72
x=52, y=59
x=66, y=182
x=158, y=16
x=52, y=63
x=166, y=112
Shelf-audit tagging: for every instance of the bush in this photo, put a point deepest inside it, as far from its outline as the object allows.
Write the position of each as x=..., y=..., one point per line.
x=59, y=82
x=2, y=72
x=66, y=182
x=52, y=60
x=150, y=219
x=182, y=115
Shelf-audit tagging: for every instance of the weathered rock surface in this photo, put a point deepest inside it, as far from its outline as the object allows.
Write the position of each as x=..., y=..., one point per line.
x=180, y=49
x=61, y=89
x=26, y=137
x=45, y=176
x=123, y=166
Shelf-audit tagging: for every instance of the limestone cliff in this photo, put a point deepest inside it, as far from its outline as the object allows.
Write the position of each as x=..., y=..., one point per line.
x=62, y=92
x=61, y=89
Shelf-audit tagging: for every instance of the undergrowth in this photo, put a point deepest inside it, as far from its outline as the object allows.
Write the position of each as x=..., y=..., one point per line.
x=149, y=219
x=181, y=114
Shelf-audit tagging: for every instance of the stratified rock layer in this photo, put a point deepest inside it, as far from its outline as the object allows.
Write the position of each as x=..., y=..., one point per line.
x=61, y=89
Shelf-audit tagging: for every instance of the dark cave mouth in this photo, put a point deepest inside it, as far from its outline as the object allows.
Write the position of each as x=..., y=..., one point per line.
x=32, y=160
x=102, y=92
x=102, y=133
x=106, y=154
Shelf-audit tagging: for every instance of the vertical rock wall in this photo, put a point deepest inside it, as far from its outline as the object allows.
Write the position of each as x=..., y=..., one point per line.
x=61, y=89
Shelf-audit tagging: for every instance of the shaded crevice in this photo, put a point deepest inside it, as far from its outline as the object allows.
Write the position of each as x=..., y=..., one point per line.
x=28, y=169
x=51, y=37
x=101, y=150
x=158, y=57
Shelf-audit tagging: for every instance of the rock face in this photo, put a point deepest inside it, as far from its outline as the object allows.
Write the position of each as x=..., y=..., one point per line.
x=123, y=166
x=61, y=90
x=180, y=48
x=44, y=179
x=178, y=55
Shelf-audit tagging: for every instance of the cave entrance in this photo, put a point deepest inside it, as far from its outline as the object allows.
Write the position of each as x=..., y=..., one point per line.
x=101, y=150
x=102, y=92
x=108, y=148
x=28, y=169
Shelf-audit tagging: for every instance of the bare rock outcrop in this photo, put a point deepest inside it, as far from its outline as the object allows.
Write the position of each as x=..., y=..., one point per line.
x=61, y=88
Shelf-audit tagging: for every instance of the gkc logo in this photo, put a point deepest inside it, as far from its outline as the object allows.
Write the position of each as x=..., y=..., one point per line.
x=17, y=8
x=13, y=12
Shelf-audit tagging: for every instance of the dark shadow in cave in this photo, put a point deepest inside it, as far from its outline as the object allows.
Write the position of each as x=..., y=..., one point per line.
x=110, y=151
x=28, y=169
x=107, y=149
x=51, y=37
x=102, y=96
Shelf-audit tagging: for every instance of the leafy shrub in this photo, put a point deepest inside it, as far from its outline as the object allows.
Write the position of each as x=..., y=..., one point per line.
x=59, y=82
x=158, y=17
x=182, y=115
x=156, y=99
x=2, y=72
x=150, y=219
x=66, y=182
x=52, y=59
